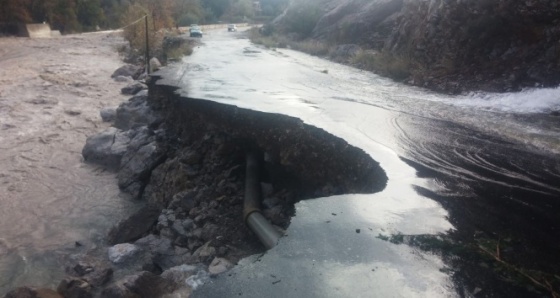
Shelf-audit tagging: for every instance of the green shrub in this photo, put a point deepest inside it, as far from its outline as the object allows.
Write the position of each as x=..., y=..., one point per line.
x=176, y=53
x=364, y=60
x=313, y=47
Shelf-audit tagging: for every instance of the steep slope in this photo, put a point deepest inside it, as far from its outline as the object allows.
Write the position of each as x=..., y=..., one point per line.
x=446, y=45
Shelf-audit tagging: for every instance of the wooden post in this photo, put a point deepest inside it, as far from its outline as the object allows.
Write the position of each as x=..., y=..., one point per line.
x=147, y=48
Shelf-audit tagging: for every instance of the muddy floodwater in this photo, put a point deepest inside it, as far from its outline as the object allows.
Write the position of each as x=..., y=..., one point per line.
x=51, y=202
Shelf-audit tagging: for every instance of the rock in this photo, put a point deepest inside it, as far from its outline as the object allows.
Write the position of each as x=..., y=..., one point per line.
x=108, y=114
x=200, y=278
x=28, y=292
x=209, y=231
x=72, y=287
x=83, y=268
x=134, y=226
x=143, y=155
x=166, y=180
x=123, y=252
x=185, y=200
x=107, y=148
x=72, y=112
x=205, y=251
x=179, y=274
x=128, y=70
x=135, y=113
x=177, y=257
x=164, y=255
x=219, y=265
x=99, y=277
x=178, y=228
x=141, y=285
x=154, y=64
x=133, y=88
x=274, y=214
x=124, y=79
x=270, y=202
x=178, y=277
x=155, y=244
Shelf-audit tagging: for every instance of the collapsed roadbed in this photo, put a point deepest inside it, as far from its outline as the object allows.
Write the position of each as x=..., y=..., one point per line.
x=184, y=159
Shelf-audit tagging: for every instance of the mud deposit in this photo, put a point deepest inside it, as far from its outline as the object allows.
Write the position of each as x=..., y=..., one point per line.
x=51, y=91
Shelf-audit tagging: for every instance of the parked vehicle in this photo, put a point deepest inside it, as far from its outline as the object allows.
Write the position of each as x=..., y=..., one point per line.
x=231, y=28
x=195, y=32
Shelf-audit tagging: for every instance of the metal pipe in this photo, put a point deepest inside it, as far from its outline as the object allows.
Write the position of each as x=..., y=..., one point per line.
x=252, y=215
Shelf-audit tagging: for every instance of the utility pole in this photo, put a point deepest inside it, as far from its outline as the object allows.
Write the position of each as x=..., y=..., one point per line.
x=147, y=47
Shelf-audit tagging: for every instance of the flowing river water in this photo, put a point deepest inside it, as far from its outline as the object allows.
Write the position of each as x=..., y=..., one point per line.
x=482, y=167
x=471, y=163
x=51, y=91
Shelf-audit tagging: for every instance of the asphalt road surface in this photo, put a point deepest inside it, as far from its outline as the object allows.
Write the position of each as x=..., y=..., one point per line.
x=471, y=207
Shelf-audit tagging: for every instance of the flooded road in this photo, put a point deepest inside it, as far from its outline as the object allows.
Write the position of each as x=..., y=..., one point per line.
x=51, y=91
x=473, y=181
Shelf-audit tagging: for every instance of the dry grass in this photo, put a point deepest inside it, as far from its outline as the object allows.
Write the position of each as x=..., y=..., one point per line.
x=176, y=53
x=313, y=47
x=387, y=64
x=395, y=67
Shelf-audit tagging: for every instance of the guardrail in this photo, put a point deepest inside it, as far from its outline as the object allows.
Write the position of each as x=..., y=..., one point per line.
x=215, y=26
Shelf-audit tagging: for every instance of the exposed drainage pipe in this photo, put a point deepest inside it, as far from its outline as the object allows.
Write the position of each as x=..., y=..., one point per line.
x=252, y=215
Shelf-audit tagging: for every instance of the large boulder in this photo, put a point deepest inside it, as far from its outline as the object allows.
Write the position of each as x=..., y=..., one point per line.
x=154, y=64
x=108, y=114
x=123, y=79
x=163, y=253
x=122, y=253
x=128, y=70
x=133, y=88
x=142, y=156
x=107, y=148
x=135, y=113
x=135, y=226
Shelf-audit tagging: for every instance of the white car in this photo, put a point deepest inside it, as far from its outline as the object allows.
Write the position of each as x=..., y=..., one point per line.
x=231, y=28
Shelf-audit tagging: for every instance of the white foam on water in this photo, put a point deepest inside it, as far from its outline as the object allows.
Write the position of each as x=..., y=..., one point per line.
x=541, y=100
x=197, y=280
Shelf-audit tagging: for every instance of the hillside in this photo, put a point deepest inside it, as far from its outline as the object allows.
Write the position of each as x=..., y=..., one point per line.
x=450, y=46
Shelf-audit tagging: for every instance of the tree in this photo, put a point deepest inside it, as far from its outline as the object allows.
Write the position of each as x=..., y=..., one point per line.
x=188, y=12
x=273, y=7
x=240, y=10
x=113, y=10
x=89, y=13
x=215, y=8
x=62, y=16
x=15, y=11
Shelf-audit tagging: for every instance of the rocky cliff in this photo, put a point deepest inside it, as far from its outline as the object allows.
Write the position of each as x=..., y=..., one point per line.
x=446, y=45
